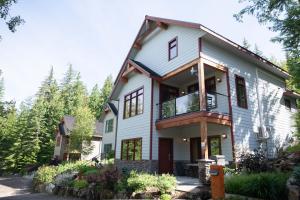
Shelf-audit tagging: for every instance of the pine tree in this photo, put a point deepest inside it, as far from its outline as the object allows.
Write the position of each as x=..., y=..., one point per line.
x=246, y=44
x=257, y=51
x=48, y=111
x=105, y=92
x=95, y=101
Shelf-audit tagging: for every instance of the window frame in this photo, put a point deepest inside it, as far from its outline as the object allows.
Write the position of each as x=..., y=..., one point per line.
x=105, y=145
x=107, y=125
x=288, y=107
x=171, y=47
x=209, y=138
x=136, y=93
x=237, y=77
x=126, y=142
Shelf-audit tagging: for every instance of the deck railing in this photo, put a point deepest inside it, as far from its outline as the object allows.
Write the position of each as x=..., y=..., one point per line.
x=216, y=102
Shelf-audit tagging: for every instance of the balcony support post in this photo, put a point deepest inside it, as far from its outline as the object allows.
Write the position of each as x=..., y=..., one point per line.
x=204, y=145
x=201, y=81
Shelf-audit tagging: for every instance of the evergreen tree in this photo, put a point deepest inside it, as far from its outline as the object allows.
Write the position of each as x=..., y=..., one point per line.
x=257, y=51
x=105, y=92
x=95, y=102
x=246, y=44
x=48, y=110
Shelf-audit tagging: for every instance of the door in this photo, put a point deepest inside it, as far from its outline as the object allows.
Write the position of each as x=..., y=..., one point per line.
x=195, y=149
x=165, y=156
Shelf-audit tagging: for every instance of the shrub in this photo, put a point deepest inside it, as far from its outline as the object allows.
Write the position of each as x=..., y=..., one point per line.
x=296, y=175
x=262, y=185
x=165, y=197
x=138, y=182
x=166, y=183
x=80, y=184
x=253, y=162
x=45, y=174
x=293, y=148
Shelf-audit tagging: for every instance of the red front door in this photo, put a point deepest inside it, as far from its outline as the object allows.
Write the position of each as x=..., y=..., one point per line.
x=165, y=155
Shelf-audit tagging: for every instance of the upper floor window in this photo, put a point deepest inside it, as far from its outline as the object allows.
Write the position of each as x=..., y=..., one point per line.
x=173, y=48
x=109, y=125
x=287, y=104
x=131, y=149
x=241, y=91
x=134, y=103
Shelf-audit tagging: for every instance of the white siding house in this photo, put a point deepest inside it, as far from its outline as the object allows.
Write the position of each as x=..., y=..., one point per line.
x=185, y=93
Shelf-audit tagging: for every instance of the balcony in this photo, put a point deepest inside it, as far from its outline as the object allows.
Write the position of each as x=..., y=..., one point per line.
x=215, y=103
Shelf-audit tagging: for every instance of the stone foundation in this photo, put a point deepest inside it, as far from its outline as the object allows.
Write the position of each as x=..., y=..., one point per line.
x=138, y=165
x=204, y=167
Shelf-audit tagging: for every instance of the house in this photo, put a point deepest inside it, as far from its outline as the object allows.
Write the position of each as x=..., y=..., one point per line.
x=109, y=120
x=62, y=139
x=186, y=94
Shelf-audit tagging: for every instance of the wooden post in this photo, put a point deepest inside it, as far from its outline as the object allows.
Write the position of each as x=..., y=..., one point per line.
x=204, y=145
x=202, y=101
x=201, y=81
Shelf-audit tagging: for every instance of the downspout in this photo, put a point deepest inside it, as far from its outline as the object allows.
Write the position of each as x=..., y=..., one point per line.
x=117, y=117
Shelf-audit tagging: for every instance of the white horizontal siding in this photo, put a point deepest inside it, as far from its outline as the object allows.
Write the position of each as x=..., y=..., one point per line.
x=137, y=126
x=154, y=52
x=109, y=138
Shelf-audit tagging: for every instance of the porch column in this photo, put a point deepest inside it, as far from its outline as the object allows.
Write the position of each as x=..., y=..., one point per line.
x=204, y=145
x=201, y=81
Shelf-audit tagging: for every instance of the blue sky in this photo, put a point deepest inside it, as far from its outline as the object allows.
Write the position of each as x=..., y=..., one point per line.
x=95, y=36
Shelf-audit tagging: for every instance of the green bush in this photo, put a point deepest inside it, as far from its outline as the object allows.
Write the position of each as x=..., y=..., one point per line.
x=296, y=175
x=166, y=183
x=262, y=185
x=294, y=148
x=80, y=184
x=45, y=174
x=165, y=197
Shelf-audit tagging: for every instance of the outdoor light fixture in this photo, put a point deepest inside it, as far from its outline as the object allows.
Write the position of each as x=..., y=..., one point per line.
x=219, y=80
x=185, y=139
x=194, y=71
x=224, y=135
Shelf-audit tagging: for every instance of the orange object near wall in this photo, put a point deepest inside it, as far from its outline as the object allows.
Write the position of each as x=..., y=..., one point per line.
x=217, y=182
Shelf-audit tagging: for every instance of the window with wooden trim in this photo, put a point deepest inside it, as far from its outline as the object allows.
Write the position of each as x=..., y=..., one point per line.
x=131, y=149
x=214, y=145
x=241, y=93
x=109, y=125
x=173, y=49
x=287, y=104
x=134, y=103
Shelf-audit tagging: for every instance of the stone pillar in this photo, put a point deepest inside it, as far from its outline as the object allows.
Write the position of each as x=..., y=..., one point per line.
x=203, y=170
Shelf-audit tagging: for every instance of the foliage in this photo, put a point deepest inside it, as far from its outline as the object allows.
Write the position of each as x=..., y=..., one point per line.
x=11, y=22
x=80, y=184
x=165, y=197
x=246, y=44
x=293, y=148
x=138, y=182
x=230, y=171
x=45, y=174
x=81, y=136
x=253, y=162
x=262, y=185
x=296, y=175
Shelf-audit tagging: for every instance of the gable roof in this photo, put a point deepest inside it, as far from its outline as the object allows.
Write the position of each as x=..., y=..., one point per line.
x=150, y=23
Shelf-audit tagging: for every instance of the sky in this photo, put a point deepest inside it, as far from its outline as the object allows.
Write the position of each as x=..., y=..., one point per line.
x=95, y=36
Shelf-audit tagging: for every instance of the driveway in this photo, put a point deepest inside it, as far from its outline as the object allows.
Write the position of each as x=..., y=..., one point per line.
x=19, y=188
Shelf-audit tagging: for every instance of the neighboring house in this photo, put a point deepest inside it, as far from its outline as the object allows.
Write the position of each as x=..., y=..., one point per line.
x=109, y=120
x=65, y=128
x=185, y=93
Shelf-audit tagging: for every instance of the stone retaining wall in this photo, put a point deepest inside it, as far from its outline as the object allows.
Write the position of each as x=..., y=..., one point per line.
x=139, y=165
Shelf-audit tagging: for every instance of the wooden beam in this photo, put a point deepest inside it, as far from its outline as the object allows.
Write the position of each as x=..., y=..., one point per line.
x=201, y=81
x=137, y=45
x=127, y=71
x=162, y=25
x=124, y=79
x=193, y=118
x=212, y=64
x=203, y=135
x=180, y=69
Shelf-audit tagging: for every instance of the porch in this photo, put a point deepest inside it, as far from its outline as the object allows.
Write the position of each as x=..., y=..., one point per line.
x=180, y=147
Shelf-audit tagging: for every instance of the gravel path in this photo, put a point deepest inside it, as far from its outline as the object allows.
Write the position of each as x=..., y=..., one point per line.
x=19, y=188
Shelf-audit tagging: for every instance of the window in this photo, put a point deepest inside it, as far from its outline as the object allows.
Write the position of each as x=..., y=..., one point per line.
x=109, y=125
x=133, y=103
x=107, y=148
x=241, y=92
x=173, y=49
x=214, y=145
x=131, y=149
x=287, y=104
